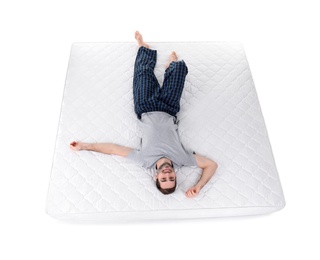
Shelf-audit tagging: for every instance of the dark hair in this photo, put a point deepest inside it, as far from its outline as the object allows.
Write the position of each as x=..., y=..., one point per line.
x=166, y=191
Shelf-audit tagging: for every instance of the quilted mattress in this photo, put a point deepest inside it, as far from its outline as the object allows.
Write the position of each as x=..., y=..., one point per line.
x=220, y=118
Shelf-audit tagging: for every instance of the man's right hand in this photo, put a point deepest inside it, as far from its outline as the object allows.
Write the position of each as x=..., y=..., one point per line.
x=193, y=191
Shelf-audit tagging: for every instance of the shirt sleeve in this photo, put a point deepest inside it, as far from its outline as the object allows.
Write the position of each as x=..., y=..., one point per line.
x=191, y=160
x=135, y=156
x=187, y=159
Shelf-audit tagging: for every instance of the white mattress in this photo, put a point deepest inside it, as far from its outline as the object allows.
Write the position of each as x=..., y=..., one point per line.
x=220, y=118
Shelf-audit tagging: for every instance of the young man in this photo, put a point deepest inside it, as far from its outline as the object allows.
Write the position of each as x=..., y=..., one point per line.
x=156, y=109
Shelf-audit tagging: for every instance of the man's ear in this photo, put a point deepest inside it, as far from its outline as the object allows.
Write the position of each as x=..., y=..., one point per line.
x=155, y=177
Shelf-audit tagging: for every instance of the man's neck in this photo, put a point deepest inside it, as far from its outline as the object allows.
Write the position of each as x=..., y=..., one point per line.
x=162, y=161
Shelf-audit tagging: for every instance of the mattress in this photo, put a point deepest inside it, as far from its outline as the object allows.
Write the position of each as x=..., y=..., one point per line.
x=220, y=118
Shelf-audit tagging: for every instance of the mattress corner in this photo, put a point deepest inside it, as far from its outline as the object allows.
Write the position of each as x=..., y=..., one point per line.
x=73, y=44
x=241, y=44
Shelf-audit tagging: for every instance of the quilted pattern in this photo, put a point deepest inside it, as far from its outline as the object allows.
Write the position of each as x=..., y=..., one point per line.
x=220, y=118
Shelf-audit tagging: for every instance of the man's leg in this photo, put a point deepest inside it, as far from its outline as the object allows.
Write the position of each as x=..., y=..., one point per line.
x=145, y=84
x=173, y=84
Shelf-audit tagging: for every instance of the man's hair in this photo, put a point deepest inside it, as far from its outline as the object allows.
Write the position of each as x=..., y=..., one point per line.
x=166, y=191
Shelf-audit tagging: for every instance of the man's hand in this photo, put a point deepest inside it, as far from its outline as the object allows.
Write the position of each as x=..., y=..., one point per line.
x=208, y=169
x=193, y=191
x=105, y=148
x=76, y=146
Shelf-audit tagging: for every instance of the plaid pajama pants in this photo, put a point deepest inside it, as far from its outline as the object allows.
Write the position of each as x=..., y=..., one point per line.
x=147, y=94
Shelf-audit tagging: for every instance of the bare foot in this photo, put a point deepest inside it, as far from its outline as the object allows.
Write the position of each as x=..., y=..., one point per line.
x=173, y=57
x=139, y=39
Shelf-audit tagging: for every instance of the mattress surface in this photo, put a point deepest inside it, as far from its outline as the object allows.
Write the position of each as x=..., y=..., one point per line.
x=220, y=118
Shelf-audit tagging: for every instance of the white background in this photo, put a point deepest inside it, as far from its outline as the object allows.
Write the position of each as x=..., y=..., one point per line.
x=281, y=40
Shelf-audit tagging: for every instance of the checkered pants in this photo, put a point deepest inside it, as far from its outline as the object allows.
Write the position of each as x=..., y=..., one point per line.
x=147, y=94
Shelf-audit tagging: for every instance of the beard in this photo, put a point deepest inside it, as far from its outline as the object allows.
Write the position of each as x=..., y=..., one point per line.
x=164, y=165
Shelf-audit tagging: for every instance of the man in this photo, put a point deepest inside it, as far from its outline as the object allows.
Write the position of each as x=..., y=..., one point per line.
x=156, y=109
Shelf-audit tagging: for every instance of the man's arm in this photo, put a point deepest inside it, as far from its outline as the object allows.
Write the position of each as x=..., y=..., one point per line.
x=105, y=148
x=208, y=169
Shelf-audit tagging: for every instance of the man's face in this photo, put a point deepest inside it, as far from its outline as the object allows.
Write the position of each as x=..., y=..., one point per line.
x=166, y=176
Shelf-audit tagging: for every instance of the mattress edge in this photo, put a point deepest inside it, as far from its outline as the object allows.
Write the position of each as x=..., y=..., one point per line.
x=58, y=128
x=264, y=123
x=167, y=214
x=159, y=42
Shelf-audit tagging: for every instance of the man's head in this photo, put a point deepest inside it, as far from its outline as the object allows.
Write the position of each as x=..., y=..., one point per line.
x=165, y=177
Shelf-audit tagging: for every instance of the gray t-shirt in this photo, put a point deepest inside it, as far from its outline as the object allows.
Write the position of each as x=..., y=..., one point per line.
x=160, y=139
